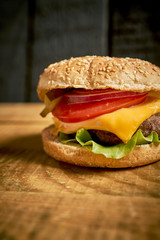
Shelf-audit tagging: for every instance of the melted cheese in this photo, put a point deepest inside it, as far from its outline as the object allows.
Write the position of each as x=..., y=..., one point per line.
x=123, y=122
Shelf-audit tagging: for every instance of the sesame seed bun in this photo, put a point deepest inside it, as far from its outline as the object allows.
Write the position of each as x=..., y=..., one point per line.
x=74, y=154
x=92, y=72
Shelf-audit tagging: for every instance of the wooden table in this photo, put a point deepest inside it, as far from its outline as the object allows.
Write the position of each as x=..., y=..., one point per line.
x=41, y=198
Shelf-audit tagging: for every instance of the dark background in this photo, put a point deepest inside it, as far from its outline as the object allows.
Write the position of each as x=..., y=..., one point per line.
x=35, y=33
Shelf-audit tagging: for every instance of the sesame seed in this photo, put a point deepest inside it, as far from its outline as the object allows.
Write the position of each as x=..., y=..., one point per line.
x=154, y=69
x=68, y=79
x=53, y=70
x=145, y=74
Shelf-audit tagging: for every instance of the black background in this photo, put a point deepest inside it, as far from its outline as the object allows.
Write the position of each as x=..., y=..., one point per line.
x=35, y=33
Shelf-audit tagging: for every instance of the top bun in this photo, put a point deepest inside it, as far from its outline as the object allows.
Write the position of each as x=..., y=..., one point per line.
x=93, y=72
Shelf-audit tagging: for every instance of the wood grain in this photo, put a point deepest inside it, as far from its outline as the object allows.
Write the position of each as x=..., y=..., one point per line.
x=135, y=32
x=75, y=216
x=13, y=34
x=41, y=198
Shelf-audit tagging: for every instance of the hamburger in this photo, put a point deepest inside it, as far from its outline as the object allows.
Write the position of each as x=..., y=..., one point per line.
x=106, y=111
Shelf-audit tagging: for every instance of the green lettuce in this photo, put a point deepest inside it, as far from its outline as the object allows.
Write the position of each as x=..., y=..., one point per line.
x=117, y=151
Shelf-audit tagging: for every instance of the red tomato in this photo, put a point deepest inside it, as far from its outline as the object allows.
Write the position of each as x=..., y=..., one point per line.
x=77, y=112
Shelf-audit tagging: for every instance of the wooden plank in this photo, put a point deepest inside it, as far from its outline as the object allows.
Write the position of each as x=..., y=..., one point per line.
x=69, y=216
x=135, y=30
x=65, y=29
x=41, y=198
x=17, y=113
x=12, y=52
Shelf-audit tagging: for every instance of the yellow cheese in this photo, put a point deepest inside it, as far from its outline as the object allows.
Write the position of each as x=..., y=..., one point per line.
x=123, y=122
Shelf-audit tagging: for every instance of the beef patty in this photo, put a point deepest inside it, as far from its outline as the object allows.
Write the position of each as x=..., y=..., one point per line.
x=149, y=125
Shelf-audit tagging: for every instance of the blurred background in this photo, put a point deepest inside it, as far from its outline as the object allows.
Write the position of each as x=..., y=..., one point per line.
x=35, y=33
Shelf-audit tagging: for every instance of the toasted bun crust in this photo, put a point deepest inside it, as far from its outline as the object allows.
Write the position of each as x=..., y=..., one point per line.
x=92, y=72
x=77, y=155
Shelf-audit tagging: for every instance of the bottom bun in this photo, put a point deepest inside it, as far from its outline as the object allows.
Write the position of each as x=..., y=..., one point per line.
x=77, y=155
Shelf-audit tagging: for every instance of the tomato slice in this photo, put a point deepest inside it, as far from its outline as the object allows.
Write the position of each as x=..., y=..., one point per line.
x=77, y=112
x=85, y=96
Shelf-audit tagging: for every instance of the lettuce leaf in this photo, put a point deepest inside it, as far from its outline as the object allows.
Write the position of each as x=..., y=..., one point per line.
x=117, y=151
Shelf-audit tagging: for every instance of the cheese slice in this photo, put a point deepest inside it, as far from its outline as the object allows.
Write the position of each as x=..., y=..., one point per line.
x=123, y=122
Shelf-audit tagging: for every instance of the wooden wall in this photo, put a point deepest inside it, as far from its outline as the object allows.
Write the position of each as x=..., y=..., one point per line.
x=35, y=33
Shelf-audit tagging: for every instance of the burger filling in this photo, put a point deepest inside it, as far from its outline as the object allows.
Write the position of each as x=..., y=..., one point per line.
x=149, y=125
x=109, y=122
